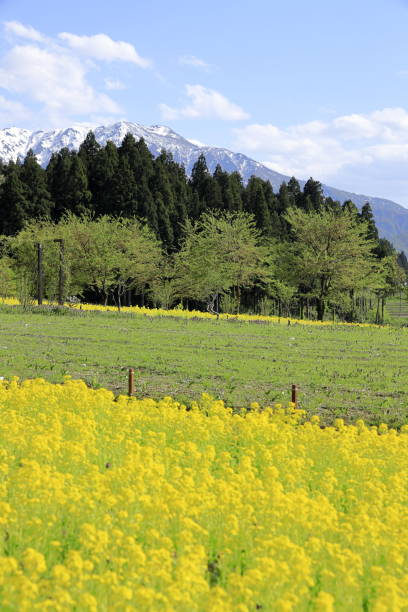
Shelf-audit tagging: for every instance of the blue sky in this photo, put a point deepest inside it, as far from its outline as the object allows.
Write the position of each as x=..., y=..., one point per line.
x=313, y=88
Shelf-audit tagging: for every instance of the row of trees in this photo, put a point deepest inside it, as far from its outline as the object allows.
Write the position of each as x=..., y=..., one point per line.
x=128, y=181
x=135, y=224
x=223, y=261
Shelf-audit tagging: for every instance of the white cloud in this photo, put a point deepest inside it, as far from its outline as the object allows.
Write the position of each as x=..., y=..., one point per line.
x=55, y=74
x=356, y=152
x=113, y=84
x=16, y=28
x=192, y=60
x=205, y=104
x=102, y=47
x=12, y=112
x=55, y=79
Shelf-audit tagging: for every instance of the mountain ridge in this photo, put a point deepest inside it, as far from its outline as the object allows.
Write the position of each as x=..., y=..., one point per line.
x=391, y=217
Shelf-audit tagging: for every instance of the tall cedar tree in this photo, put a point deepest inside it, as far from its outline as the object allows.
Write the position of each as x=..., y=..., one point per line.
x=14, y=204
x=35, y=180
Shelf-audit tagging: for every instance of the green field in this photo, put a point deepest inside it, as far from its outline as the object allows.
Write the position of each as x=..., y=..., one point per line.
x=342, y=371
x=397, y=308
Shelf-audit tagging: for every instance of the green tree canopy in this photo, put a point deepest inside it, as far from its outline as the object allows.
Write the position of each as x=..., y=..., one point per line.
x=220, y=253
x=330, y=253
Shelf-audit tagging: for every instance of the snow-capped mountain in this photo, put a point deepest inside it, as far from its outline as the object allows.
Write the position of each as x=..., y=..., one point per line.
x=391, y=218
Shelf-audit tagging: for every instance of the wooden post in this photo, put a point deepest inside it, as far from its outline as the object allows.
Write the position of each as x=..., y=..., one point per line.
x=40, y=274
x=61, y=283
x=295, y=395
x=131, y=382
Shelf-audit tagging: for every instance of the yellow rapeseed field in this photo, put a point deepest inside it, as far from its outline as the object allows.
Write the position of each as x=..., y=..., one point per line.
x=130, y=504
x=192, y=314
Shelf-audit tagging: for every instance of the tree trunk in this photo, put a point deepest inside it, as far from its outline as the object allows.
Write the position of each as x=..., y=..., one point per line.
x=320, y=306
x=377, y=314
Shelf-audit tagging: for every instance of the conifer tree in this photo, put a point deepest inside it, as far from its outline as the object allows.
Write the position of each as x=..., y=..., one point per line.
x=144, y=162
x=129, y=150
x=403, y=261
x=164, y=199
x=294, y=191
x=58, y=171
x=14, y=205
x=366, y=216
x=34, y=178
x=123, y=196
x=349, y=206
x=199, y=176
x=165, y=230
x=88, y=152
x=256, y=204
x=78, y=196
x=313, y=198
x=105, y=166
x=331, y=204
x=237, y=190
x=182, y=198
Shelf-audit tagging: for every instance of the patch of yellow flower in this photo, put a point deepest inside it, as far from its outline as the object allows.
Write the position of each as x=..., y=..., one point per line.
x=194, y=314
x=130, y=504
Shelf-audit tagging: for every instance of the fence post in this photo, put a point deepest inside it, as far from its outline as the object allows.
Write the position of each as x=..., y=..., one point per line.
x=40, y=274
x=61, y=281
x=131, y=382
x=295, y=395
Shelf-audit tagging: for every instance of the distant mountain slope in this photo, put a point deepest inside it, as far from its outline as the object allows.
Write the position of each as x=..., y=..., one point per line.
x=391, y=218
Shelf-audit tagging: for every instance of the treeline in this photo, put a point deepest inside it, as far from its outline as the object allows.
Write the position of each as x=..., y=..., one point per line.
x=171, y=211
x=128, y=181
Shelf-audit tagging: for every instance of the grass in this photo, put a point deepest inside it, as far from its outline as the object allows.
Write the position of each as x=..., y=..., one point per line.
x=397, y=308
x=343, y=371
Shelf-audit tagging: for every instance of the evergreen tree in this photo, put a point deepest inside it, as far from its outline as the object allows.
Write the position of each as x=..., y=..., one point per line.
x=294, y=191
x=14, y=205
x=88, y=152
x=105, y=167
x=334, y=205
x=34, y=177
x=196, y=207
x=123, y=195
x=165, y=230
x=182, y=198
x=147, y=207
x=366, y=216
x=143, y=165
x=58, y=171
x=223, y=181
x=313, y=198
x=199, y=176
x=285, y=201
x=237, y=190
x=403, y=261
x=384, y=249
x=129, y=150
x=79, y=198
x=351, y=208
x=257, y=205
x=163, y=197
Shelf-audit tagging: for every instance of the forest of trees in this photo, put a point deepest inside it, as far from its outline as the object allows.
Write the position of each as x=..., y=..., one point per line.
x=136, y=229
